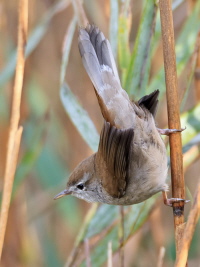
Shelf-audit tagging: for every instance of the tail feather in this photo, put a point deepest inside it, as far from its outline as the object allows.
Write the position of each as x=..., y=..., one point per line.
x=100, y=65
x=102, y=48
x=150, y=102
x=89, y=58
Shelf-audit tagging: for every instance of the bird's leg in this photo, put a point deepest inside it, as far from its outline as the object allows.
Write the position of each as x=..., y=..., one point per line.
x=169, y=131
x=170, y=201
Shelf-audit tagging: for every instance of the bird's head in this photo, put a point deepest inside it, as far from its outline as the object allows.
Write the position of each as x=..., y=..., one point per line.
x=83, y=182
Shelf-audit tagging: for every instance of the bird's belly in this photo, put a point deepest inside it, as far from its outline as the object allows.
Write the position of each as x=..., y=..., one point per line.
x=147, y=177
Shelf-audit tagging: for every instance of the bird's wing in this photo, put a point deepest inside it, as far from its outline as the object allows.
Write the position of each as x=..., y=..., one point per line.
x=113, y=158
x=150, y=102
x=100, y=65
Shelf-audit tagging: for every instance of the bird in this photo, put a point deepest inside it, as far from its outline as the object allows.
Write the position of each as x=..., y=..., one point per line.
x=131, y=162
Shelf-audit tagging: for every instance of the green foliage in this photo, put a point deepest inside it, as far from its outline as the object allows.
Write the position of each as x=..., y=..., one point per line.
x=79, y=117
x=41, y=161
x=135, y=69
x=138, y=68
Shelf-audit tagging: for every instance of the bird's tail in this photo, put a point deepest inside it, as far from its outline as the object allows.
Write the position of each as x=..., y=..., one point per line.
x=100, y=65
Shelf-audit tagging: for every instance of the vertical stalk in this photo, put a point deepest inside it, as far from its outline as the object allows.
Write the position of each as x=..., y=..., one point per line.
x=15, y=130
x=177, y=178
x=189, y=230
x=121, y=237
x=197, y=72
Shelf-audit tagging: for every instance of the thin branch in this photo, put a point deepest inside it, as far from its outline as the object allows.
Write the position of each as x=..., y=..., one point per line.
x=73, y=256
x=189, y=230
x=178, y=186
x=80, y=12
x=15, y=131
x=121, y=237
x=109, y=254
x=161, y=257
x=87, y=253
x=197, y=74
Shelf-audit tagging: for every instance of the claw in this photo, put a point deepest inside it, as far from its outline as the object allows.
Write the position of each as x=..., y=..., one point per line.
x=169, y=131
x=170, y=201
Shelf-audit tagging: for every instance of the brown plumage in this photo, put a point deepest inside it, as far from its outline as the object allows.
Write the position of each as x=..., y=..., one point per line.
x=131, y=162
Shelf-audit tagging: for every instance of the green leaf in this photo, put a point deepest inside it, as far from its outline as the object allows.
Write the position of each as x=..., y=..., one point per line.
x=99, y=254
x=106, y=222
x=77, y=114
x=140, y=58
x=79, y=117
x=108, y=214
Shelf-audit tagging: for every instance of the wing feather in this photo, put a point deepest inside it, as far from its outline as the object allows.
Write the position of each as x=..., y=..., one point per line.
x=113, y=157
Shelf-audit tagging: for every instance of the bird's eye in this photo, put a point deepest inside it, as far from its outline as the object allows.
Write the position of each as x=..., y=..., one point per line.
x=80, y=186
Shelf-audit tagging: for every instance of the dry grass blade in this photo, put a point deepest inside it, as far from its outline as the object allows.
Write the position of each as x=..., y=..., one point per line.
x=87, y=253
x=80, y=13
x=109, y=254
x=189, y=230
x=15, y=131
x=197, y=74
x=161, y=257
x=73, y=256
x=121, y=236
x=178, y=187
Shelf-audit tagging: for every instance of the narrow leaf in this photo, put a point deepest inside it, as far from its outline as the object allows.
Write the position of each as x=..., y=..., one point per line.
x=106, y=220
x=79, y=117
x=139, y=63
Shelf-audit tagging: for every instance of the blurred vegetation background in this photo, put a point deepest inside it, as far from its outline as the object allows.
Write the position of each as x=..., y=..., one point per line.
x=42, y=232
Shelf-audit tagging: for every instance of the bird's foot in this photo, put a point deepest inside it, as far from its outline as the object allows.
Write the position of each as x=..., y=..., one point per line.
x=170, y=201
x=169, y=131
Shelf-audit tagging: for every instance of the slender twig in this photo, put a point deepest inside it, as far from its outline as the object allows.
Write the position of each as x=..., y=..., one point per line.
x=72, y=257
x=161, y=257
x=121, y=237
x=109, y=254
x=178, y=187
x=15, y=130
x=197, y=74
x=189, y=230
x=80, y=13
x=87, y=253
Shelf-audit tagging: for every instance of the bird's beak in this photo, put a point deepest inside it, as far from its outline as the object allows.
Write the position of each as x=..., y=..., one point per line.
x=62, y=194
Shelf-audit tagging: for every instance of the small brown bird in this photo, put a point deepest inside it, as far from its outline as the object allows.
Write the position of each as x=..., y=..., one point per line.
x=131, y=162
